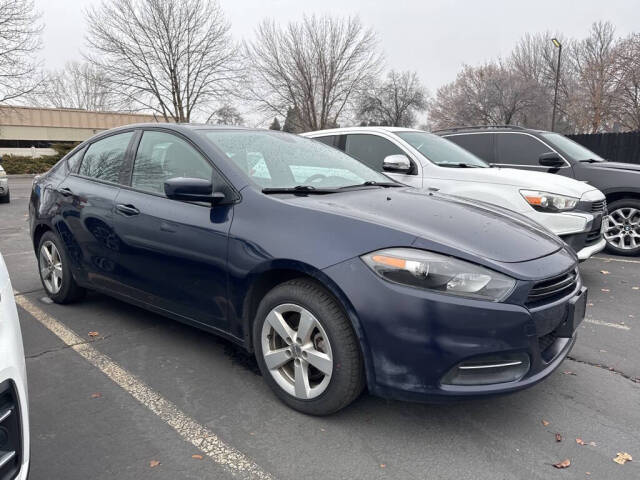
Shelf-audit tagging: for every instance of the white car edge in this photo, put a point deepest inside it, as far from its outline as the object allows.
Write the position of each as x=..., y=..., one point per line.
x=4, y=186
x=505, y=187
x=14, y=412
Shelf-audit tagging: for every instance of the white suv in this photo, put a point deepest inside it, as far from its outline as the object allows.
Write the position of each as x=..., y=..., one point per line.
x=571, y=209
x=14, y=418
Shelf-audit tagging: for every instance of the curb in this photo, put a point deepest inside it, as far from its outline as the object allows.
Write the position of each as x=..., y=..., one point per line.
x=22, y=175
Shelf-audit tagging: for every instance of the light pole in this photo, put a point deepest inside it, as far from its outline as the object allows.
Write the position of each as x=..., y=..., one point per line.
x=558, y=45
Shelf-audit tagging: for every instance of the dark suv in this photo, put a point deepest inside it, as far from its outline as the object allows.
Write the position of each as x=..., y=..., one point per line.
x=538, y=150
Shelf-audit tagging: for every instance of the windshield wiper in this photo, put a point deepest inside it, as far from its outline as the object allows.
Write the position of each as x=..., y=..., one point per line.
x=458, y=165
x=299, y=189
x=373, y=183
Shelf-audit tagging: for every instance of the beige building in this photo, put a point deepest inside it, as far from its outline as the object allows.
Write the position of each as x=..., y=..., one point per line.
x=30, y=131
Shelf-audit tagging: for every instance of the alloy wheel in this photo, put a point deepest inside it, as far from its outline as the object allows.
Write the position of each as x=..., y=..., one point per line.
x=296, y=350
x=51, y=267
x=623, y=231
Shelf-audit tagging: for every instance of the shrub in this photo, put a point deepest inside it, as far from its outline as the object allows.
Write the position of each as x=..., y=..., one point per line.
x=16, y=164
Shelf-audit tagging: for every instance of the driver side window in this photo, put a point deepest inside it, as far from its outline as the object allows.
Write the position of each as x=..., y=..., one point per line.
x=162, y=156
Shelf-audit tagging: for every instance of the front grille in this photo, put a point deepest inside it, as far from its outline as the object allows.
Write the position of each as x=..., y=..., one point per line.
x=553, y=288
x=10, y=431
x=599, y=206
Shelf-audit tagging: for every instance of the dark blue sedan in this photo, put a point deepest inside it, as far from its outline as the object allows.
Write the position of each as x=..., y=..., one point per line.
x=335, y=276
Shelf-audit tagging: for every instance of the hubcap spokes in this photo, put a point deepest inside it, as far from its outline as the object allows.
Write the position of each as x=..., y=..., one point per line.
x=624, y=228
x=51, y=267
x=296, y=351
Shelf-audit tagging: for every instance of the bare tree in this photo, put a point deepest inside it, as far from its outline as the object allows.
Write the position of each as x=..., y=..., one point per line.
x=79, y=85
x=226, y=115
x=489, y=94
x=168, y=56
x=19, y=40
x=394, y=102
x=315, y=67
x=594, y=62
x=628, y=88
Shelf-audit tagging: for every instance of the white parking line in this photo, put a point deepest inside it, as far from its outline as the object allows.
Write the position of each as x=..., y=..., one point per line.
x=607, y=324
x=15, y=254
x=201, y=437
x=609, y=259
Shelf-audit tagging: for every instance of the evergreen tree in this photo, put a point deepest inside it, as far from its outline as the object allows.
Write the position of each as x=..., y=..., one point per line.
x=275, y=125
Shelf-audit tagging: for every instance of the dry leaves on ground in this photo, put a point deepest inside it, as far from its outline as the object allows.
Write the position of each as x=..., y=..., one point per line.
x=569, y=373
x=563, y=464
x=605, y=290
x=605, y=272
x=96, y=395
x=558, y=437
x=154, y=463
x=622, y=458
x=545, y=423
x=93, y=334
x=197, y=457
x=579, y=441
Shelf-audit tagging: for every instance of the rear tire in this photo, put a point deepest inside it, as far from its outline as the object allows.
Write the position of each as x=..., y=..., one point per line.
x=55, y=271
x=623, y=232
x=312, y=334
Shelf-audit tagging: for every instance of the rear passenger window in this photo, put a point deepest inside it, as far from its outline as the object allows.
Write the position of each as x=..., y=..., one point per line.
x=74, y=161
x=519, y=149
x=480, y=144
x=331, y=140
x=105, y=158
x=371, y=149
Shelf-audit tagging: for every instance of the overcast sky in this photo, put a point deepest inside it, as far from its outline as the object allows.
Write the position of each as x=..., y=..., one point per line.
x=433, y=37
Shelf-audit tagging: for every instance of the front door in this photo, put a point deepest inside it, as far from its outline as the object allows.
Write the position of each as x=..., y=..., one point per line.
x=174, y=253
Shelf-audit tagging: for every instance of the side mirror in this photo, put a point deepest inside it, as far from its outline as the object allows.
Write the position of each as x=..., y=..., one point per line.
x=551, y=159
x=396, y=163
x=192, y=189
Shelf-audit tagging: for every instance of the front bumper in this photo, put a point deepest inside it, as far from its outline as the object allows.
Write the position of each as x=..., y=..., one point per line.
x=591, y=241
x=4, y=187
x=412, y=338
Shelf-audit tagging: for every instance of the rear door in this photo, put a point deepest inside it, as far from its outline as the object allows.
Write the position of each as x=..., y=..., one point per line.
x=174, y=253
x=85, y=201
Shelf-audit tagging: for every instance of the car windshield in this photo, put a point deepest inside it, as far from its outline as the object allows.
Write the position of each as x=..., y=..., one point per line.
x=277, y=160
x=571, y=148
x=440, y=151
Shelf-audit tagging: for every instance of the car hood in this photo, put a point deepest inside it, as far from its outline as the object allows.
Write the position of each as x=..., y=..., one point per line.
x=524, y=179
x=617, y=166
x=450, y=224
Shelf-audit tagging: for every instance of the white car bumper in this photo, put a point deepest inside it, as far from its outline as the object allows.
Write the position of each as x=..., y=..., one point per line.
x=14, y=413
x=4, y=186
x=588, y=252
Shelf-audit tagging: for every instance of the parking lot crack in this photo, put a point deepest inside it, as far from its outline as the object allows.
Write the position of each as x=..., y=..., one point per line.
x=605, y=367
x=64, y=347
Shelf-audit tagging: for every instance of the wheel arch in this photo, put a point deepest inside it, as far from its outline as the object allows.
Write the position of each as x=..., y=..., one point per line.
x=278, y=272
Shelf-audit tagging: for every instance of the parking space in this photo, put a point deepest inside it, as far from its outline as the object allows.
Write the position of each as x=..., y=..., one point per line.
x=147, y=397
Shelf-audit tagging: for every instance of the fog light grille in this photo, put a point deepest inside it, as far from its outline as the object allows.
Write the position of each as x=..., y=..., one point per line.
x=10, y=431
x=489, y=370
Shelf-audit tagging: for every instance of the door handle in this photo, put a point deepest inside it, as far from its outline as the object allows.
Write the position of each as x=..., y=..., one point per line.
x=127, y=210
x=65, y=192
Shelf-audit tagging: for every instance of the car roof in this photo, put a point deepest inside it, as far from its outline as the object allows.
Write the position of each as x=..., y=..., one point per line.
x=343, y=130
x=486, y=128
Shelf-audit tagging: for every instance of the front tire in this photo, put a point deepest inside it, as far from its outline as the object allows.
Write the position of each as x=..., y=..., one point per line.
x=306, y=348
x=623, y=232
x=55, y=271
x=6, y=198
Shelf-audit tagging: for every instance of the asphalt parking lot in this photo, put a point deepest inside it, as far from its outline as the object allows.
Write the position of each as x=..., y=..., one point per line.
x=147, y=397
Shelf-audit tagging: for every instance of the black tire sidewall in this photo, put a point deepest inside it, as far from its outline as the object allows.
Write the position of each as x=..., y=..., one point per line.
x=346, y=366
x=624, y=203
x=69, y=290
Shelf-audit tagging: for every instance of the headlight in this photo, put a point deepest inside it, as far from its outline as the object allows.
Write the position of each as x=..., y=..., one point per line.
x=440, y=273
x=549, y=202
